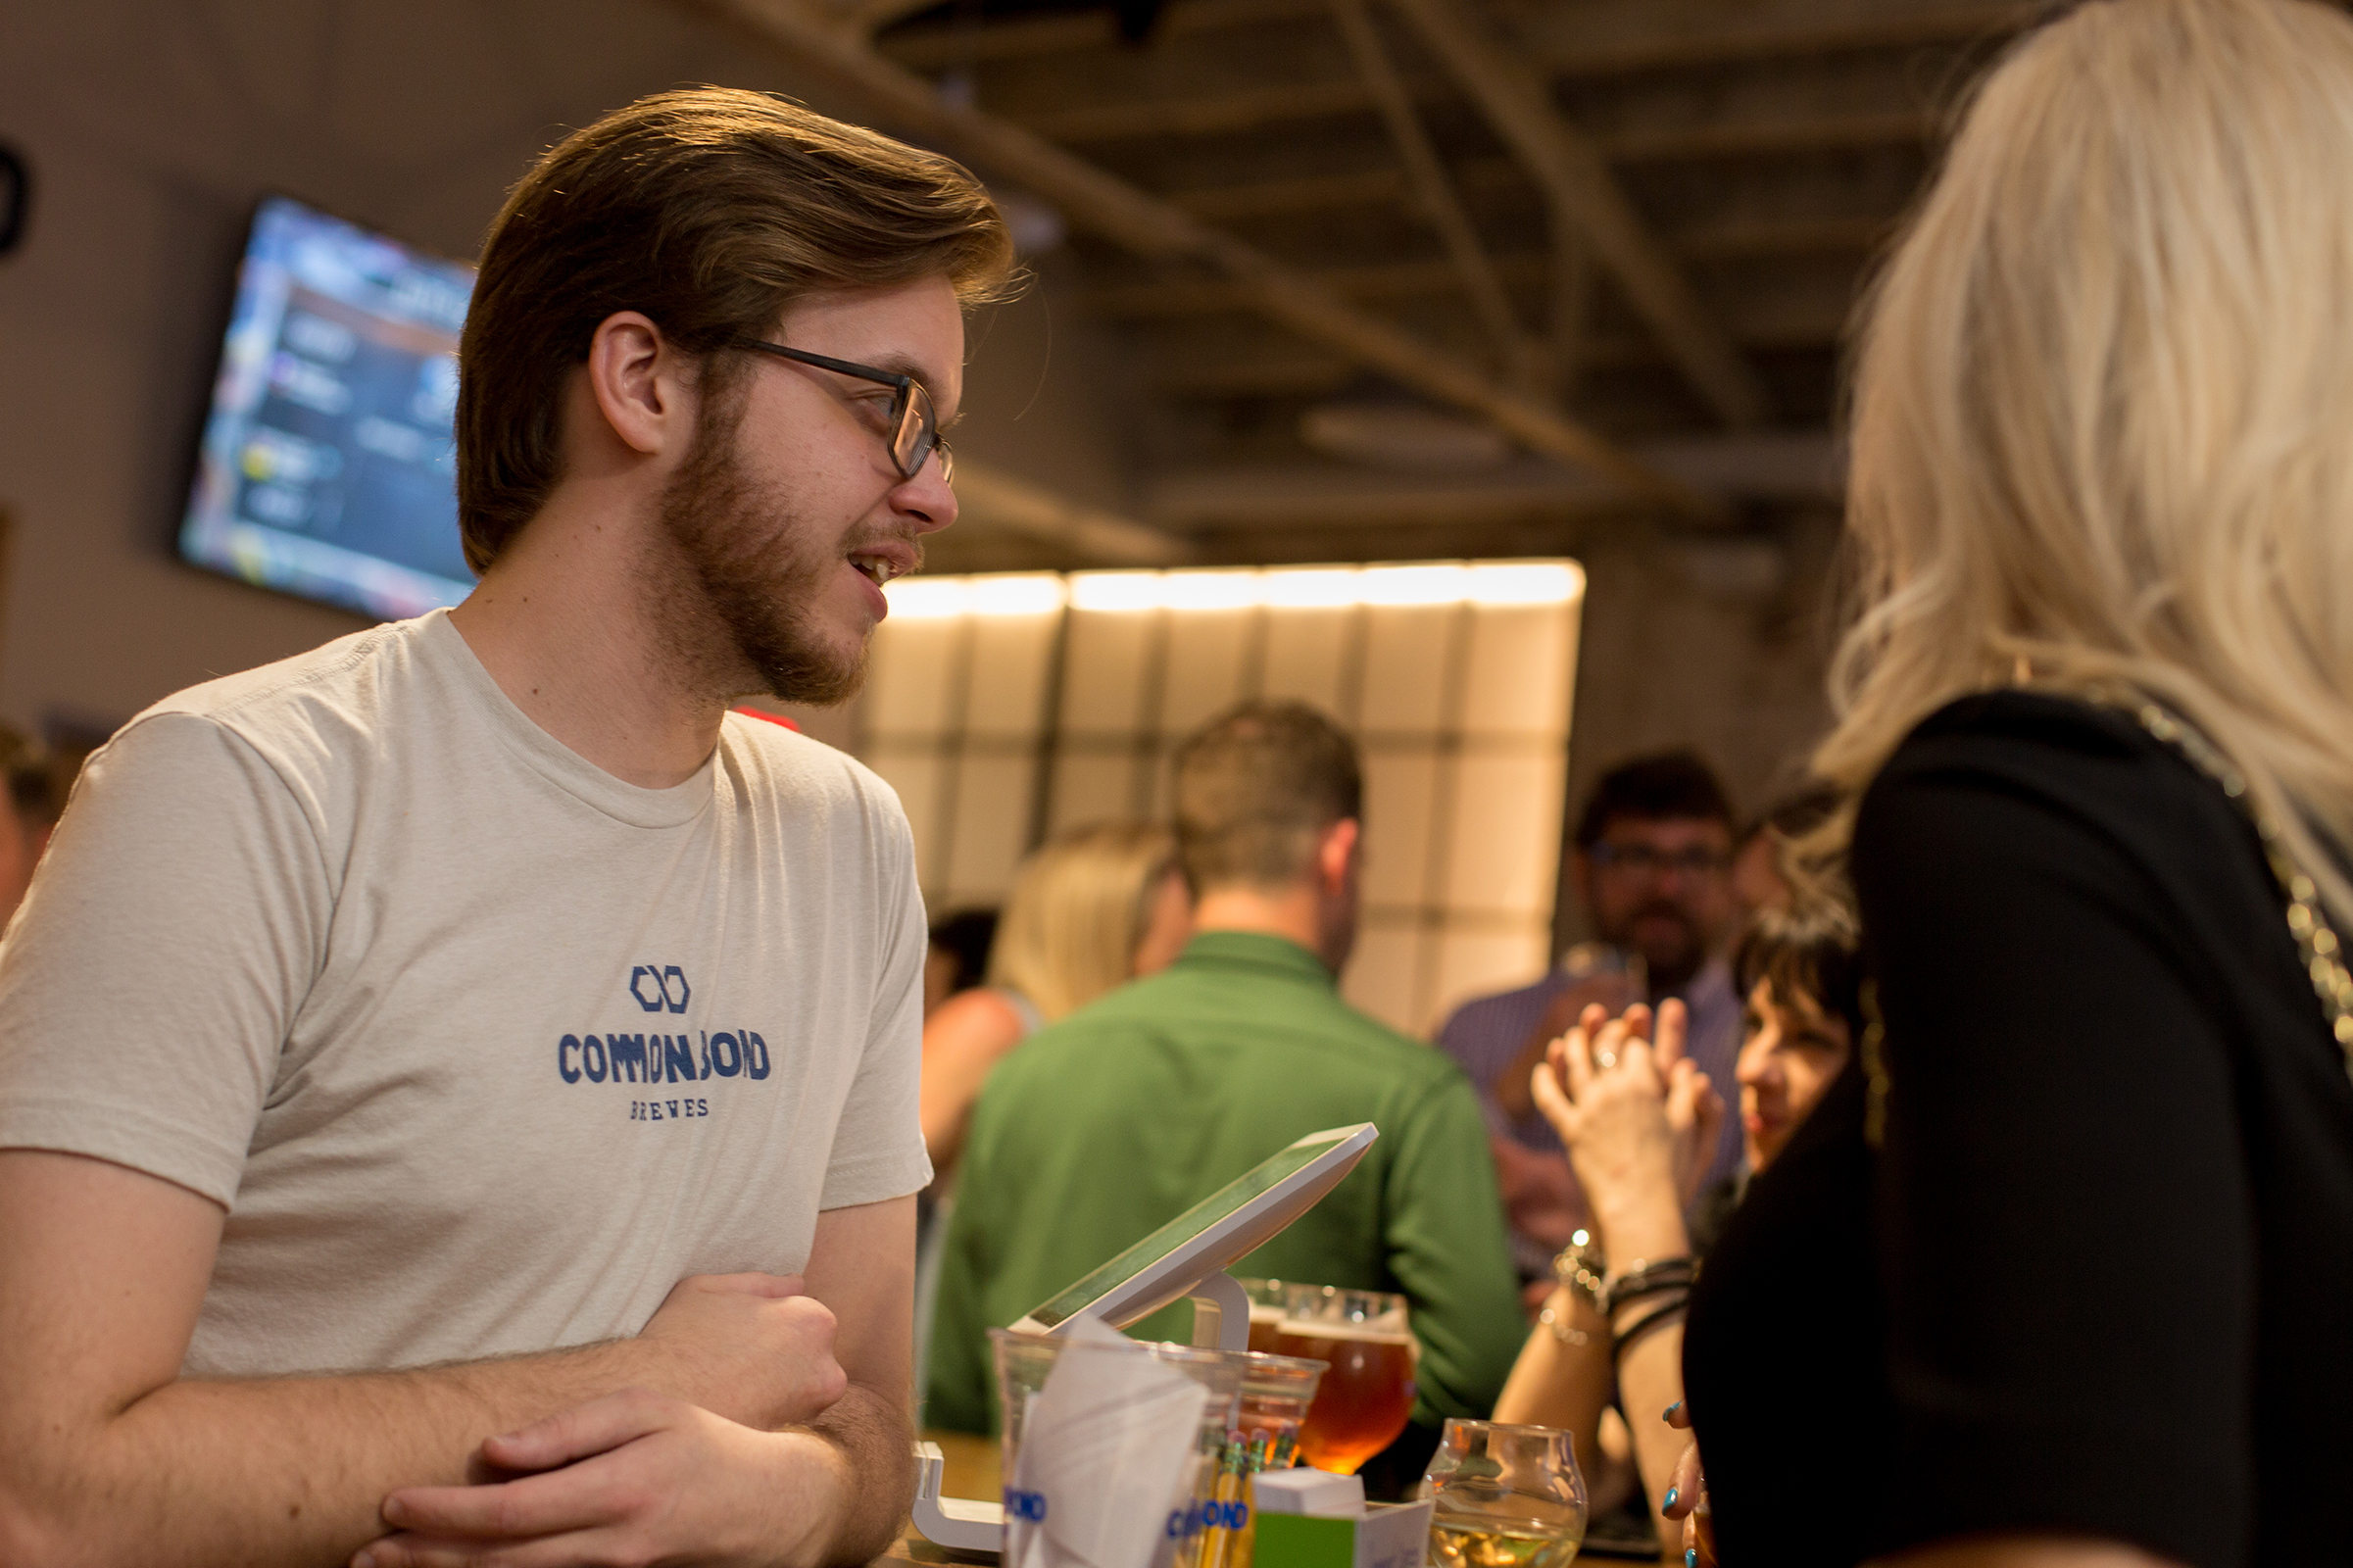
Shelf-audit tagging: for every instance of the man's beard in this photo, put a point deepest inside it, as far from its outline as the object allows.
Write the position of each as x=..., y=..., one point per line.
x=1667, y=969
x=757, y=565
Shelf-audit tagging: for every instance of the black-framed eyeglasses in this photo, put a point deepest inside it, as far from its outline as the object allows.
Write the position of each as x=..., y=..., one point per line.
x=1642, y=859
x=914, y=422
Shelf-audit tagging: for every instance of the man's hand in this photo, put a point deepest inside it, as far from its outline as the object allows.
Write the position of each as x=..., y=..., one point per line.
x=753, y=1349
x=639, y=1477
x=631, y=1478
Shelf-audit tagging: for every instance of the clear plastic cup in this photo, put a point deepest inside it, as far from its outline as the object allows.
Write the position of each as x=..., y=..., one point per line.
x=1023, y=1363
x=1276, y=1391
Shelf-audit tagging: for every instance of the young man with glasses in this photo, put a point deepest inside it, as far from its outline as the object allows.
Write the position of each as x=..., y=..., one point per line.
x=1651, y=862
x=458, y=1086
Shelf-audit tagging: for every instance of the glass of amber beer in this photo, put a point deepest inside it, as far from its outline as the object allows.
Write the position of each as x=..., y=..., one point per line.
x=1364, y=1400
x=1268, y=1297
x=1504, y=1496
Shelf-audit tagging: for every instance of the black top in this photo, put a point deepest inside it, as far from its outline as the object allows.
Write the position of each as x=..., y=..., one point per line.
x=2098, y=1276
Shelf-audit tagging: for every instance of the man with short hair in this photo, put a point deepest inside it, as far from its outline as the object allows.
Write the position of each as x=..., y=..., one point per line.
x=1651, y=862
x=466, y=1052
x=1110, y=1123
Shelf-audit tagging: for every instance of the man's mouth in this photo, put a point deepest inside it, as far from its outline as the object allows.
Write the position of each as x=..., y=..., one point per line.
x=879, y=568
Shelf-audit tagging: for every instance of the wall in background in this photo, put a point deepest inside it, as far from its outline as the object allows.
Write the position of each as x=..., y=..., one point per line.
x=1007, y=708
x=153, y=125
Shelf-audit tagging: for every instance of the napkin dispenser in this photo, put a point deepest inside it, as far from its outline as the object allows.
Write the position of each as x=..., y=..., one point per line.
x=1185, y=1259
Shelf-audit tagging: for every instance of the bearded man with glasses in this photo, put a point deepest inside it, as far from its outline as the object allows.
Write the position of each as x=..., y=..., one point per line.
x=489, y=1129
x=1651, y=863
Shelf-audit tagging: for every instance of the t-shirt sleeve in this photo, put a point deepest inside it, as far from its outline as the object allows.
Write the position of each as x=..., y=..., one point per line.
x=878, y=1144
x=155, y=968
x=1449, y=1249
x=2063, y=1204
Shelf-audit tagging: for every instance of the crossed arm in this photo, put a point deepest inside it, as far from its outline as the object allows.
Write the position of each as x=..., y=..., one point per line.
x=726, y=1431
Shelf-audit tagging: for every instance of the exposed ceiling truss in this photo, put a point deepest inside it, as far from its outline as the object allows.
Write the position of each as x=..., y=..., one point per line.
x=1626, y=234
x=1157, y=230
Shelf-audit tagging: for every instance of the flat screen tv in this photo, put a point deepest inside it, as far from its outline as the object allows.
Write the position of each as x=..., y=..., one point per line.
x=327, y=465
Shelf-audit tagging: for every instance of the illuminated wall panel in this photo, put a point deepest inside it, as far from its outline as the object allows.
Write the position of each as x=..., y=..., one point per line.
x=1005, y=708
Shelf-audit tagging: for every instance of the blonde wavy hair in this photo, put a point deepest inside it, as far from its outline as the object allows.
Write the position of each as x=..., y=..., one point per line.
x=1077, y=911
x=2103, y=404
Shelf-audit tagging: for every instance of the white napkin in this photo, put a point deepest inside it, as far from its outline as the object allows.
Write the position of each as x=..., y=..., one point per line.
x=1111, y=1441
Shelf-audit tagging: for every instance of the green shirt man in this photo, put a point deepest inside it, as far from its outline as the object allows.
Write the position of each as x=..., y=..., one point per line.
x=1106, y=1125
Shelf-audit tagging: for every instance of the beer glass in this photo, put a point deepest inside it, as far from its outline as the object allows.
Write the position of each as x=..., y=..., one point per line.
x=1367, y=1394
x=1504, y=1496
x=1267, y=1300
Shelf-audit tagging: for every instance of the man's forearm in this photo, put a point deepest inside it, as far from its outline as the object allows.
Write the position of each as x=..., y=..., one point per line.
x=287, y=1470
x=875, y=1438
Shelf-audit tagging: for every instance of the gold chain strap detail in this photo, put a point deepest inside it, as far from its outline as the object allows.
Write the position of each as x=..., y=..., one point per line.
x=1875, y=1082
x=2307, y=920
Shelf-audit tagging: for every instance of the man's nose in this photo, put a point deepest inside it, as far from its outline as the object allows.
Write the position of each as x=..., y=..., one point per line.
x=927, y=498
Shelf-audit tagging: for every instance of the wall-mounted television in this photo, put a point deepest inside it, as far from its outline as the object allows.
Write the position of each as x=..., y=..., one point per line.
x=327, y=465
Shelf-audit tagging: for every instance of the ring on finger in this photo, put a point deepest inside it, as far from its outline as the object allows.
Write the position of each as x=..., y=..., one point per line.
x=1603, y=1060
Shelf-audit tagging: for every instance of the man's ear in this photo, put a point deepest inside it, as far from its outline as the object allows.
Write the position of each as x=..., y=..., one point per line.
x=639, y=382
x=1336, y=852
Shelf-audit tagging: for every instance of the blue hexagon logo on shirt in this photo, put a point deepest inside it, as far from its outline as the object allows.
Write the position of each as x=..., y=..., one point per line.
x=655, y=987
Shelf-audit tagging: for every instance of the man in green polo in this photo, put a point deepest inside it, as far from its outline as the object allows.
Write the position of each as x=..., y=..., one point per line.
x=1106, y=1125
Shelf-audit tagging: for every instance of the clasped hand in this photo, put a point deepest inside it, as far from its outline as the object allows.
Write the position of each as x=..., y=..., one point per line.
x=644, y=1477
x=1639, y=1119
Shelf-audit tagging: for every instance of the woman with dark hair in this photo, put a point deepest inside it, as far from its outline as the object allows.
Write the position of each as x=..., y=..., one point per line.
x=1638, y=1122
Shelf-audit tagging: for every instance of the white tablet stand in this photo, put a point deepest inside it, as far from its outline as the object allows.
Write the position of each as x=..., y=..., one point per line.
x=1185, y=1259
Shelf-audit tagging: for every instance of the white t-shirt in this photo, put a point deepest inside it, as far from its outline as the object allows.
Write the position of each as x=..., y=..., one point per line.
x=482, y=1048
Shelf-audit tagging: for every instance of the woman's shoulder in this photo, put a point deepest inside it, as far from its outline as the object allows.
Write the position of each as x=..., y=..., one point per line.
x=2087, y=767
x=985, y=1019
x=2015, y=810
x=2017, y=728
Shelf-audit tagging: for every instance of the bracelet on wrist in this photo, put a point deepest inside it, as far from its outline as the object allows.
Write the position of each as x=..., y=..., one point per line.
x=1558, y=1320
x=1646, y=1278
x=1582, y=1268
x=1650, y=1322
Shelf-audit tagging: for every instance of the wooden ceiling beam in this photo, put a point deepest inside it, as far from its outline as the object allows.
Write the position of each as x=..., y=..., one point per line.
x=1389, y=282
x=1092, y=198
x=1769, y=139
x=1363, y=284
x=1257, y=108
x=1656, y=41
x=955, y=43
x=1779, y=465
x=1299, y=371
x=1386, y=187
x=1573, y=172
x=1883, y=28
x=1434, y=193
x=1219, y=114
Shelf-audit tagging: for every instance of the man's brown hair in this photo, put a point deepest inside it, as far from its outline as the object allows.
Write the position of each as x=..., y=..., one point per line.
x=1256, y=787
x=711, y=209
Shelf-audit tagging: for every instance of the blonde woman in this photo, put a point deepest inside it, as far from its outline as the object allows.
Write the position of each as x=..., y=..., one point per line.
x=2061, y=1272
x=1091, y=910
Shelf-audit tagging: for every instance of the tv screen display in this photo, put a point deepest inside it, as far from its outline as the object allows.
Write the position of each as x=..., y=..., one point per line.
x=328, y=467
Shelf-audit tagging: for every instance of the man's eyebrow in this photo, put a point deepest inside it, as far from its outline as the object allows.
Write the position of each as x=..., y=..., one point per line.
x=908, y=366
